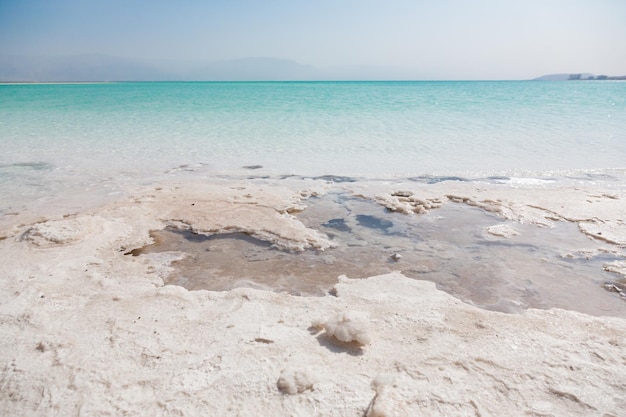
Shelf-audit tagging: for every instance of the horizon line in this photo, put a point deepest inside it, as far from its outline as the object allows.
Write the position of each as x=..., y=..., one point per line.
x=5, y=82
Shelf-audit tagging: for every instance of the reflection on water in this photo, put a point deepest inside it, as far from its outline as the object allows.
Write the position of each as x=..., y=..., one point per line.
x=539, y=268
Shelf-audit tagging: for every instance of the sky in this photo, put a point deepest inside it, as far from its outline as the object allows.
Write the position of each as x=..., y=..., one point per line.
x=435, y=39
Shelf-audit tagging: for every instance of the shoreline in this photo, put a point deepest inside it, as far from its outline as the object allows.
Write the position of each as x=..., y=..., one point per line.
x=431, y=223
x=90, y=328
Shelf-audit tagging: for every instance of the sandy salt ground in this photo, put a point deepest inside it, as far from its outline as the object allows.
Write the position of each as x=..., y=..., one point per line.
x=88, y=330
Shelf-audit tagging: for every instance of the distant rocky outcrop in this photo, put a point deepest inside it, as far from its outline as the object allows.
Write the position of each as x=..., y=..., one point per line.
x=578, y=77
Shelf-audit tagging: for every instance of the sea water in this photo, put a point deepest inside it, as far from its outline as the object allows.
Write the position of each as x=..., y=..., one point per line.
x=56, y=138
x=60, y=142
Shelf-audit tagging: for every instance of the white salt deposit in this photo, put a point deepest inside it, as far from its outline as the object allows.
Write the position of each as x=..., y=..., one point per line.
x=295, y=380
x=503, y=230
x=347, y=326
x=619, y=267
x=88, y=330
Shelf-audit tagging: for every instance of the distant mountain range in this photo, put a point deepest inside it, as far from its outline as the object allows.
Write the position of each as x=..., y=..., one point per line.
x=107, y=68
x=77, y=68
x=578, y=77
x=94, y=67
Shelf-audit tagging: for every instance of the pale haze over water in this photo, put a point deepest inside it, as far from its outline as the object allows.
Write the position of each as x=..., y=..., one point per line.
x=485, y=39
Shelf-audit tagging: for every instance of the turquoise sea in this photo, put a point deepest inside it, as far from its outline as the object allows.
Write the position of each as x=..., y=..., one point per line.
x=72, y=138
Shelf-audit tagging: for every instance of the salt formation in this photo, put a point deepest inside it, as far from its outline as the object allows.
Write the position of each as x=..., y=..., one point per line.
x=618, y=267
x=295, y=380
x=405, y=202
x=386, y=402
x=396, y=257
x=59, y=232
x=503, y=230
x=347, y=327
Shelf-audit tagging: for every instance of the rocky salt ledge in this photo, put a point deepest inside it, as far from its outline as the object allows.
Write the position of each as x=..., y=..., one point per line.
x=90, y=331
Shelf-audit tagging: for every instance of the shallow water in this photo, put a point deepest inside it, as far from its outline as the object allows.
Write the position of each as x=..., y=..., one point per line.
x=539, y=268
x=58, y=140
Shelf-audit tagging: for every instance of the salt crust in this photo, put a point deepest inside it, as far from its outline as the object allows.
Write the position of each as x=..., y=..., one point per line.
x=503, y=230
x=600, y=214
x=618, y=267
x=63, y=231
x=90, y=331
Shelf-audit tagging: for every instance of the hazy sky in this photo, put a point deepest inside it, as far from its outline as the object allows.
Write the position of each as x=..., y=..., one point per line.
x=445, y=39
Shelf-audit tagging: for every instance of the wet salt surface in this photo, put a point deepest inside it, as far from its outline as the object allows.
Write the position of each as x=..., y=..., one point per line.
x=538, y=268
